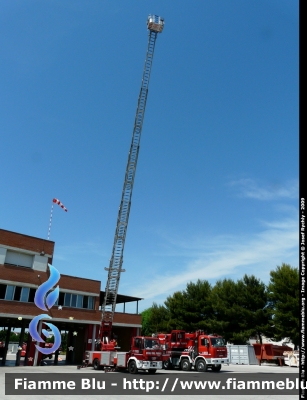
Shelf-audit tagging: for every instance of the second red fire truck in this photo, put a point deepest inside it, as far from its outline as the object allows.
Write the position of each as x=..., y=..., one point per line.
x=198, y=350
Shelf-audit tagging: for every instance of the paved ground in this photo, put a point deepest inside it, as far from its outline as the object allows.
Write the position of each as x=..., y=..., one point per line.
x=231, y=369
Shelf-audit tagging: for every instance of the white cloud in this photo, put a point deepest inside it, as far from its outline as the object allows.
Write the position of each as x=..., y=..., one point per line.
x=229, y=257
x=249, y=188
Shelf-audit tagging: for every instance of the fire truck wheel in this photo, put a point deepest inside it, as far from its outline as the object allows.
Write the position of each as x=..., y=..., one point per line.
x=216, y=368
x=96, y=364
x=185, y=365
x=132, y=368
x=152, y=371
x=201, y=365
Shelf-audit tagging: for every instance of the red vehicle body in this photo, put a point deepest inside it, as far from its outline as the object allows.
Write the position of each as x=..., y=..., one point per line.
x=24, y=350
x=2, y=346
x=145, y=354
x=271, y=353
x=198, y=350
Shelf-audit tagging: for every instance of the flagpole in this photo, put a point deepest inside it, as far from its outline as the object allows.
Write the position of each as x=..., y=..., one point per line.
x=50, y=221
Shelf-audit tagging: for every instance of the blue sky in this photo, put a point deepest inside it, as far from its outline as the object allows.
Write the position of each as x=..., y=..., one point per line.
x=216, y=188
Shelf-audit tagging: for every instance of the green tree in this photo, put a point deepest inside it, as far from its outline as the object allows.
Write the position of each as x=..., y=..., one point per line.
x=175, y=306
x=64, y=342
x=198, y=306
x=255, y=318
x=14, y=337
x=146, y=328
x=240, y=309
x=159, y=318
x=154, y=320
x=225, y=303
x=283, y=295
x=191, y=308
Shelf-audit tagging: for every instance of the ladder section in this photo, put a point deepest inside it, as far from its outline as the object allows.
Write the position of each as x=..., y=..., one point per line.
x=155, y=25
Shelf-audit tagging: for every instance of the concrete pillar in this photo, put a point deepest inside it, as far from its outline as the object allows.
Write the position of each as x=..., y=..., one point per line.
x=7, y=340
x=22, y=333
x=93, y=337
x=36, y=351
x=74, y=339
x=56, y=356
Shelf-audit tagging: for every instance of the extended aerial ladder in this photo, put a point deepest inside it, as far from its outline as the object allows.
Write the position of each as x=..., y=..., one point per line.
x=155, y=25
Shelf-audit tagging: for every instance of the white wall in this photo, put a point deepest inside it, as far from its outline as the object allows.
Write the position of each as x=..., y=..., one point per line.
x=40, y=263
x=2, y=255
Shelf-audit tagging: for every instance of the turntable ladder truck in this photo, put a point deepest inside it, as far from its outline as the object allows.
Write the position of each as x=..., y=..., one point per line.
x=139, y=356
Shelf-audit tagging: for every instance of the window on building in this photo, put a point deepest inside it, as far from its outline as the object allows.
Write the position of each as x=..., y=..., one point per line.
x=9, y=295
x=90, y=302
x=73, y=302
x=67, y=299
x=24, y=294
x=80, y=301
x=2, y=291
x=32, y=295
x=19, y=259
x=85, y=301
x=17, y=293
x=60, y=301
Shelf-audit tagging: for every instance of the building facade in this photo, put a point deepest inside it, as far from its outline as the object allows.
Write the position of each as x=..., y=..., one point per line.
x=23, y=268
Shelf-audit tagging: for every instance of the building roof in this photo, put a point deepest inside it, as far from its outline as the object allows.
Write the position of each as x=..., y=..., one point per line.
x=26, y=242
x=121, y=298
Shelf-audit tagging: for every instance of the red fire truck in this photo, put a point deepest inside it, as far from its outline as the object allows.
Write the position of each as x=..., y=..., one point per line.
x=198, y=350
x=145, y=354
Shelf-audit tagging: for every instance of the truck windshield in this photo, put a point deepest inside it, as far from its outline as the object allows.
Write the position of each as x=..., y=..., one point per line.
x=217, y=342
x=151, y=344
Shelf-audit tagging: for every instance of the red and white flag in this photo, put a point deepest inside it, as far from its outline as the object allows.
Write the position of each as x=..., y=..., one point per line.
x=54, y=201
x=60, y=204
